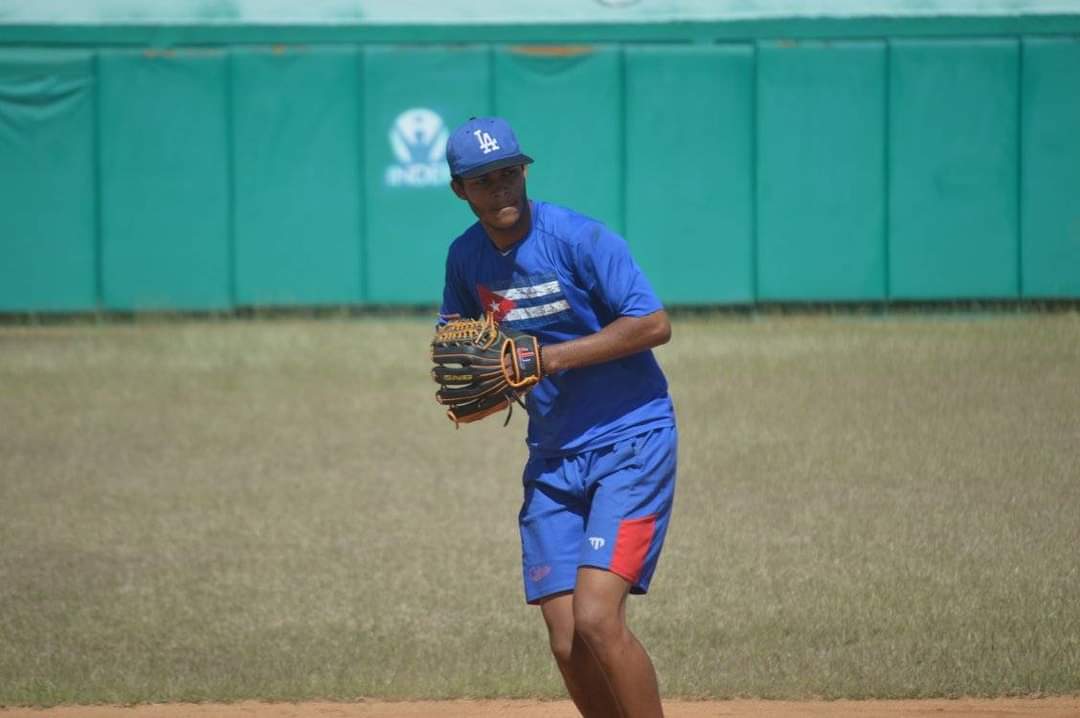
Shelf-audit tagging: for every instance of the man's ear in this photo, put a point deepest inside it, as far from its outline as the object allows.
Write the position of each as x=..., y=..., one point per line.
x=459, y=188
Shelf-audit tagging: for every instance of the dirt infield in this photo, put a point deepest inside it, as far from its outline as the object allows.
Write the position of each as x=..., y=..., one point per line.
x=962, y=708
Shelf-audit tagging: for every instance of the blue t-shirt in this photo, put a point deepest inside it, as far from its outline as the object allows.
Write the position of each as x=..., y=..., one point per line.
x=568, y=278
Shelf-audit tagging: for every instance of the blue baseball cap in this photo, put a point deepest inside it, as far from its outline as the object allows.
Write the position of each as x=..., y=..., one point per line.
x=481, y=145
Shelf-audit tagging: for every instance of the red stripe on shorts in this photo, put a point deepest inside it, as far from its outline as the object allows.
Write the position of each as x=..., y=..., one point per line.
x=632, y=546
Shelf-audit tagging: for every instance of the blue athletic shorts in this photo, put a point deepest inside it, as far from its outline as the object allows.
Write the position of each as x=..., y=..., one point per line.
x=607, y=508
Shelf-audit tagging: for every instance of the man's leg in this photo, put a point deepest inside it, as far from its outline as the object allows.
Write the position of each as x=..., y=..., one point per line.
x=599, y=617
x=581, y=673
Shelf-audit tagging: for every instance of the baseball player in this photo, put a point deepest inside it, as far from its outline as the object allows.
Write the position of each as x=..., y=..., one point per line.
x=600, y=478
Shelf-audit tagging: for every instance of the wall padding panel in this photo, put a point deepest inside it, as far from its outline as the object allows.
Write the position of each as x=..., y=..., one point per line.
x=164, y=191
x=296, y=143
x=689, y=154
x=821, y=171
x=47, y=181
x=953, y=169
x=1050, y=198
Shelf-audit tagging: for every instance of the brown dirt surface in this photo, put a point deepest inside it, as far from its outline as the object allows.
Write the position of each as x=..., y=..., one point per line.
x=1059, y=707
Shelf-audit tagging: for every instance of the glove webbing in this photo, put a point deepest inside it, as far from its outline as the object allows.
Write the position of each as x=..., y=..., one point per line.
x=481, y=332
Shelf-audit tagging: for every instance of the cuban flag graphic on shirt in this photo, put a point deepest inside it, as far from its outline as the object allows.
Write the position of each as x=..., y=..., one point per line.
x=524, y=301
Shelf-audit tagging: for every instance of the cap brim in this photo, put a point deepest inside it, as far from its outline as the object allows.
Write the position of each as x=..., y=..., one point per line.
x=497, y=165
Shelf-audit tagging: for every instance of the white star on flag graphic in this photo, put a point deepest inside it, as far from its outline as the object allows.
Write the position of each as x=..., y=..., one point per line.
x=497, y=304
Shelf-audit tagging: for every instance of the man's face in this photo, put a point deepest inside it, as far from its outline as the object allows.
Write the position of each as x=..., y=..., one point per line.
x=496, y=198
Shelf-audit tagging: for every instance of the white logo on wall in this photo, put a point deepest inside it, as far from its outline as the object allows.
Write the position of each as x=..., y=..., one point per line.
x=418, y=139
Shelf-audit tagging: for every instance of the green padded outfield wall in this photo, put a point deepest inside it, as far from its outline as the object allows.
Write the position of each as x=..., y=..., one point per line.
x=1050, y=178
x=209, y=156
x=296, y=161
x=821, y=171
x=48, y=253
x=163, y=134
x=954, y=169
x=689, y=170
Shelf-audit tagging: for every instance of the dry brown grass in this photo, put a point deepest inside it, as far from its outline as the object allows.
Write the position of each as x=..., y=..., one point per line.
x=224, y=510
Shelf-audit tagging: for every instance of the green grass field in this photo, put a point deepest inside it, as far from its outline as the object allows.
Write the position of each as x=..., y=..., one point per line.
x=276, y=509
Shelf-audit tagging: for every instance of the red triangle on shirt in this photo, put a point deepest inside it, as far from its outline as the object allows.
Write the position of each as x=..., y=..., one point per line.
x=494, y=303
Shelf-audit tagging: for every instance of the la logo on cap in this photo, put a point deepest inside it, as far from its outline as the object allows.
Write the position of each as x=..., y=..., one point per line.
x=487, y=143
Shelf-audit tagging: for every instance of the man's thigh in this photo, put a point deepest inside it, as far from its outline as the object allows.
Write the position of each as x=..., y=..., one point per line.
x=630, y=508
x=552, y=523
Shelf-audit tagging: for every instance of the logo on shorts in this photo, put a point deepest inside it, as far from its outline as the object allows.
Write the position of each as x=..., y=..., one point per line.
x=597, y=542
x=539, y=573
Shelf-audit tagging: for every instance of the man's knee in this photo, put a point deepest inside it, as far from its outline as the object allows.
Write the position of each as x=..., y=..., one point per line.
x=562, y=646
x=596, y=620
x=559, y=616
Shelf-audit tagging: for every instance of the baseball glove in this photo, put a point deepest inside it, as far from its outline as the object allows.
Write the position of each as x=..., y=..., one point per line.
x=482, y=369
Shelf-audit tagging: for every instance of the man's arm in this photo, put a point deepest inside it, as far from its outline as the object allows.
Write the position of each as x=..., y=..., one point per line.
x=623, y=337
